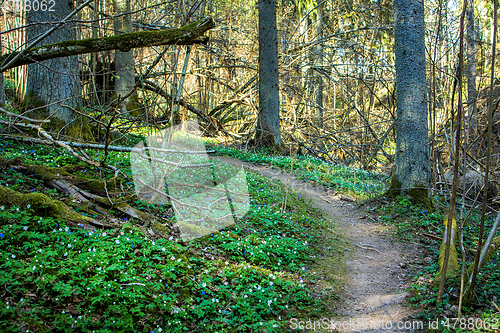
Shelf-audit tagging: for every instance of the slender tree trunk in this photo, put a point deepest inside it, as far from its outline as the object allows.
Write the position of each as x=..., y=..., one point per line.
x=489, y=137
x=56, y=81
x=319, y=63
x=269, y=117
x=94, y=56
x=303, y=39
x=2, y=84
x=124, y=61
x=470, y=70
x=412, y=172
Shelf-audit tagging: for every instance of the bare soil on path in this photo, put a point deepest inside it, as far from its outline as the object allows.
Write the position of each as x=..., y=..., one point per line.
x=378, y=266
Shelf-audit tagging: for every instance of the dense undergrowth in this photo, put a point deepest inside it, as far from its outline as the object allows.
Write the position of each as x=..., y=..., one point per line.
x=252, y=276
x=411, y=222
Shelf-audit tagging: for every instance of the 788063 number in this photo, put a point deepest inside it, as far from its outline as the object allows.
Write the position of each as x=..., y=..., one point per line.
x=29, y=5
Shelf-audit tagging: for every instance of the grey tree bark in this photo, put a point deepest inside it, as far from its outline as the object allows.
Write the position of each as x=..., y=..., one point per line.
x=470, y=69
x=2, y=84
x=319, y=63
x=268, y=128
x=124, y=61
x=412, y=172
x=56, y=81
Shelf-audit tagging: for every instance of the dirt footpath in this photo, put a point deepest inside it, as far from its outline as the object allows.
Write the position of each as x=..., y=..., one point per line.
x=378, y=267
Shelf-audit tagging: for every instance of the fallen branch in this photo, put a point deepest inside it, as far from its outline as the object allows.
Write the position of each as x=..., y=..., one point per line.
x=206, y=118
x=10, y=114
x=18, y=55
x=101, y=147
x=67, y=146
x=62, y=181
x=434, y=237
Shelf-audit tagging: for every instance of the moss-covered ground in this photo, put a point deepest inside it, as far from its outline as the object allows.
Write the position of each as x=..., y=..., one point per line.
x=252, y=276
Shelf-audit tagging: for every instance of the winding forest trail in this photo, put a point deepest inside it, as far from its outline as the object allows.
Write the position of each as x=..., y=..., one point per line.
x=378, y=267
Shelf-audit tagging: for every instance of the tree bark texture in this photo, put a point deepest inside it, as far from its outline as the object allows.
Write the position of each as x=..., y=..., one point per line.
x=124, y=61
x=319, y=94
x=2, y=84
x=56, y=81
x=269, y=117
x=470, y=69
x=412, y=173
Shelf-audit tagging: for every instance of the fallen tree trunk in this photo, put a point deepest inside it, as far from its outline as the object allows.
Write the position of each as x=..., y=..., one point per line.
x=187, y=35
x=108, y=210
x=62, y=181
x=47, y=207
x=492, y=248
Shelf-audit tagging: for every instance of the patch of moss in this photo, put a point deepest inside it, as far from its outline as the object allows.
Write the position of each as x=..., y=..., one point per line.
x=134, y=108
x=453, y=268
x=78, y=128
x=41, y=204
x=193, y=230
x=97, y=185
x=420, y=195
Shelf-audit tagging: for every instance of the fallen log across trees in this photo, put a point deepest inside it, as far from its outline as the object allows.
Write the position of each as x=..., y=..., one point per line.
x=187, y=35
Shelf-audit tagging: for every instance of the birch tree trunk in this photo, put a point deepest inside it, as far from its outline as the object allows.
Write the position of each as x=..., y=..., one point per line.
x=412, y=171
x=268, y=130
x=56, y=81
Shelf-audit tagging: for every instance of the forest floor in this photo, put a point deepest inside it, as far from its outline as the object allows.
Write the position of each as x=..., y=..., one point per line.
x=378, y=265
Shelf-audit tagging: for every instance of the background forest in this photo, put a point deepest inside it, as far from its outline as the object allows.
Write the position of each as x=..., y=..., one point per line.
x=70, y=114
x=336, y=64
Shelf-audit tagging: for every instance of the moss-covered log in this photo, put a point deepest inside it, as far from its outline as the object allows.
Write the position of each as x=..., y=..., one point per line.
x=61, y=180
x=47, y=174
x=187, y=35
x=45, y=206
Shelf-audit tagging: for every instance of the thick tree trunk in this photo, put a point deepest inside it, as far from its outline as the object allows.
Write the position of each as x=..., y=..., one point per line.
x=124, y=61
x=56, y=81
x=269, y=118
x=412, y=172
